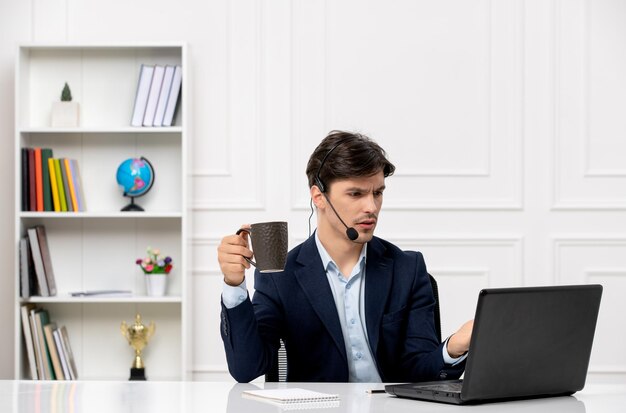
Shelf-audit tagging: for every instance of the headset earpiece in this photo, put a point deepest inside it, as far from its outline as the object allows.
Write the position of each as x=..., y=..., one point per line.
x=351, y=233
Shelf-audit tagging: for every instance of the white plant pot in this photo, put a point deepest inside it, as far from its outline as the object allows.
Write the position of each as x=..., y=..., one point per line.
x=65, y=114
x=156, y=284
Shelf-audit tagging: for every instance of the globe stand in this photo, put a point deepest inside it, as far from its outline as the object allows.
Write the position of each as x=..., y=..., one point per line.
x=132, y=207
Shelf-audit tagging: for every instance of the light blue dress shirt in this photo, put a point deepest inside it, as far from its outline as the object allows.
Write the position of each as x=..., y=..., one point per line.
x=349, y=296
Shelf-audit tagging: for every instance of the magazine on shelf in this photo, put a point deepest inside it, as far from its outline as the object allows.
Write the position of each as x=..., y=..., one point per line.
x=102, y=293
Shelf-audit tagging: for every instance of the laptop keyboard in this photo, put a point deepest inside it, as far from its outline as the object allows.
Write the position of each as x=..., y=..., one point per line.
x=444, y=387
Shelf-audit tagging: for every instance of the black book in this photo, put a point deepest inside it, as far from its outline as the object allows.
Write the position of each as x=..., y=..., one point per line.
x=46, y=153
x=25, y=178
x=25, y=290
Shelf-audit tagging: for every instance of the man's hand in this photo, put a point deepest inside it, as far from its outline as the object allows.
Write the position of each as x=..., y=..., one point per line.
x=458, y=344
x=230, y=255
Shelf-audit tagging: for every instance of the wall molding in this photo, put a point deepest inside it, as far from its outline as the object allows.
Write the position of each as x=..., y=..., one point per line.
x=586, y=173
x=515, y=71
x=560, y=242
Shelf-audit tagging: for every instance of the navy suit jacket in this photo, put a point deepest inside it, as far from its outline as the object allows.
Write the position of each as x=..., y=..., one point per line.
x=297, y=305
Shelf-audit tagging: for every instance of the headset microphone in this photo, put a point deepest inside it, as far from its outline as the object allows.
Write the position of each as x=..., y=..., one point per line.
x=351, y=233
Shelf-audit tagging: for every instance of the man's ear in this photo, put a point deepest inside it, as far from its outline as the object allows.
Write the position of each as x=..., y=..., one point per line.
x=318, y=198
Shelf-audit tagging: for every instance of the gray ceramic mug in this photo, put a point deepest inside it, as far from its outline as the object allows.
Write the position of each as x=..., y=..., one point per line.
x=269, y=240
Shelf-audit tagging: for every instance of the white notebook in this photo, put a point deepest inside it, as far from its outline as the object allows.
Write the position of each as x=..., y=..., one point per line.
x=291, y=396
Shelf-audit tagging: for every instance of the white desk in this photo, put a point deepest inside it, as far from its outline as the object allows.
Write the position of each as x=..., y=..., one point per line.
x=209, y=397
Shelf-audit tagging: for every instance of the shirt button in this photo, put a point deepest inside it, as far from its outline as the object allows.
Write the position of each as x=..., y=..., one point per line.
x=359, y=355
x=353, y=321
x=348, y=286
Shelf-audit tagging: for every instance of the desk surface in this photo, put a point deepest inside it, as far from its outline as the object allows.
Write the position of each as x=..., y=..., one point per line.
x=119, y=397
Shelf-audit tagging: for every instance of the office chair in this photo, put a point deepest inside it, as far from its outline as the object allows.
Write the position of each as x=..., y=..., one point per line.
x=278, y=372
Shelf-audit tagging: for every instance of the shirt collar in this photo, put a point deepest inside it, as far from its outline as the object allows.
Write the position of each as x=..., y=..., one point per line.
x=327, y=260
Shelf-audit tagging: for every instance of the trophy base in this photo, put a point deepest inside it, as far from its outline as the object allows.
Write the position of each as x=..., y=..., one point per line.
x=137, y=374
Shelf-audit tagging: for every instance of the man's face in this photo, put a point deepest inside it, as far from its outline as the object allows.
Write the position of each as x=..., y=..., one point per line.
x=358, y=202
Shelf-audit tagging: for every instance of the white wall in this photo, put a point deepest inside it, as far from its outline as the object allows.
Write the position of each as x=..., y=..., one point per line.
x=504, y=118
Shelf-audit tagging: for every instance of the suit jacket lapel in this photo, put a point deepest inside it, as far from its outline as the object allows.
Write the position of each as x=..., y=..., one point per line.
x=312, y=278
x=378, y=275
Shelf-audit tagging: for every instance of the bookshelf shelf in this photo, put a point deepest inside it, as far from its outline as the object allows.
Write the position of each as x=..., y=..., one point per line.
x=67, y=299
x=103, y=130
x=96, y=249
x=100, y=215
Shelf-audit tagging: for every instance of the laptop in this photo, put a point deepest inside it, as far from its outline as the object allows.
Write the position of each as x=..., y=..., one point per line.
x=527, y=342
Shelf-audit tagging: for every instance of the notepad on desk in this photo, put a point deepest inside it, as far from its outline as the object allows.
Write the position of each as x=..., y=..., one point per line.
x=293, y=396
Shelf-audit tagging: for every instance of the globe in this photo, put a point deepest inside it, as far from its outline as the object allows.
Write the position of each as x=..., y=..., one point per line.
x=136, y=177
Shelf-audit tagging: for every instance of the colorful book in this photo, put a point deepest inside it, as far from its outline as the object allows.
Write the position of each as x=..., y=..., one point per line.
x=70, y=184
x=46, y=153
x=42, y=319
x=38, y=180
x=52, y=348
x=62, y=198
x=78, y=185
x=66, y=186
x=53, y=186
x=32, y=188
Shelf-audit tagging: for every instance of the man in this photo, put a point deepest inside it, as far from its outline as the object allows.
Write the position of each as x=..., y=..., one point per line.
x=349, y=306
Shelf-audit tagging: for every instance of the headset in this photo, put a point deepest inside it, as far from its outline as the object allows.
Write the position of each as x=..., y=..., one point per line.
x=351, y=233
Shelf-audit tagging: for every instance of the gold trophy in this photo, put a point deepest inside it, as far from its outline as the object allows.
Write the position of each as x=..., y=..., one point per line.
x=138, y=336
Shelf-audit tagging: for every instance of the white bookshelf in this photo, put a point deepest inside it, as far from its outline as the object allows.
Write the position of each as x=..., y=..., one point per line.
x=97, y=249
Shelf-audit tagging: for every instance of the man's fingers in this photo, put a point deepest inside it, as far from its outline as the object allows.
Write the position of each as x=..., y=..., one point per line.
x=226, y=251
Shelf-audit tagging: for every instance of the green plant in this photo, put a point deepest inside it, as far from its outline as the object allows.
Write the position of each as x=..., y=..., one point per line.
x=66, y=94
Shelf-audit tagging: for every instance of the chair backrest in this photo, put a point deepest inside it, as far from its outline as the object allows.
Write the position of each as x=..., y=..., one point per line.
x=433, y=284
x=278, y=372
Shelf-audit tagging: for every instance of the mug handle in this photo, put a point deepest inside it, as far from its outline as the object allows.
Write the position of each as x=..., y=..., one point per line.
x=239, y=231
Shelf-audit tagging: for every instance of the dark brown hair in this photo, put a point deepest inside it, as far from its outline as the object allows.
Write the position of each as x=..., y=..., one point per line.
x=353, y=155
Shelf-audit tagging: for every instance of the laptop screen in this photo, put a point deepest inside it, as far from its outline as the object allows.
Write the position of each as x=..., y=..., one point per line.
x=531, y=341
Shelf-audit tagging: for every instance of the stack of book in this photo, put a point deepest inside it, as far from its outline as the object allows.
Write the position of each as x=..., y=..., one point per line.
x=50, y=184
x=36, y=273
x=47, y=346
x=158, y=95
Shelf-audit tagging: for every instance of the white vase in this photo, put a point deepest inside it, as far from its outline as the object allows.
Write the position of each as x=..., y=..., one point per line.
x=65, y=114
x=156, y=284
